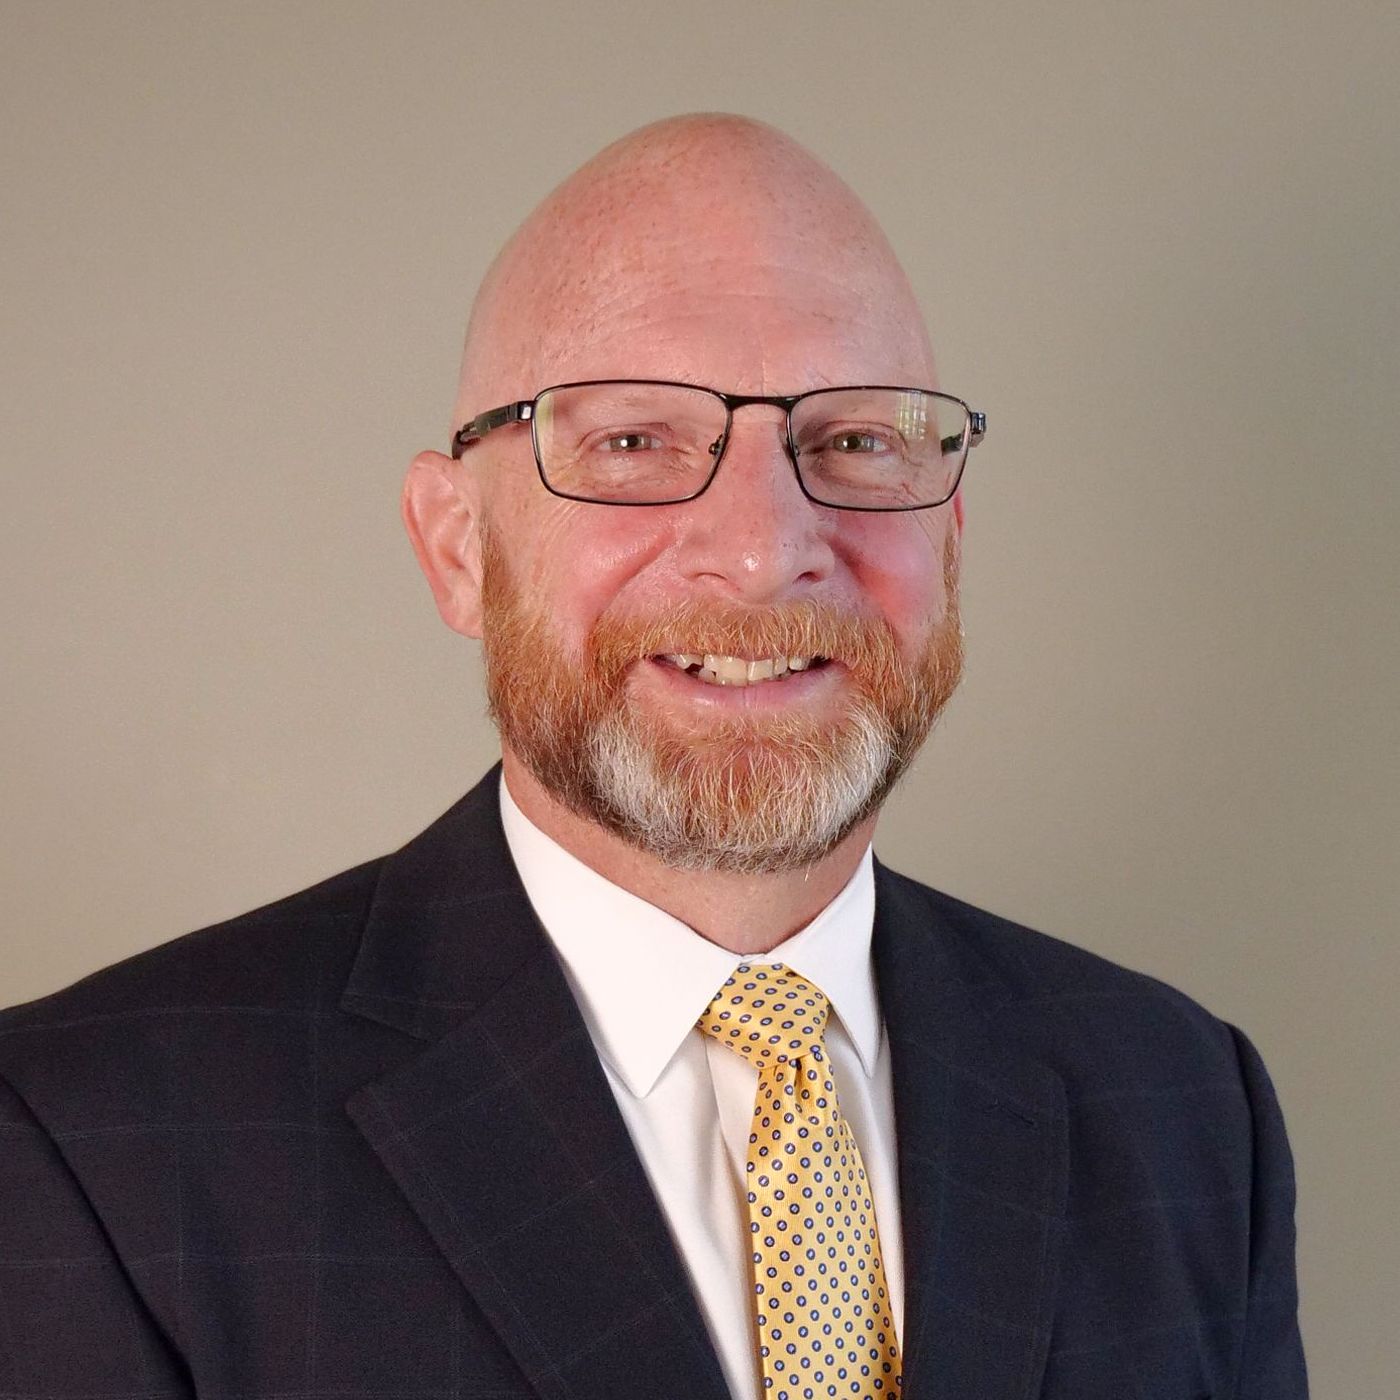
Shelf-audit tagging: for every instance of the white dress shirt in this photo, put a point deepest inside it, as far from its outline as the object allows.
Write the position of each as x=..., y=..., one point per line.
x=641, y=979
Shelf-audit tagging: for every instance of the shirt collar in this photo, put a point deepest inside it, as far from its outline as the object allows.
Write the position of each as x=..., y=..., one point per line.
x=642, y=978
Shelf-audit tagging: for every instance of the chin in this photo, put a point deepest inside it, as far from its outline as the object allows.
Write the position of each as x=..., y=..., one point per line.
x=747, y=803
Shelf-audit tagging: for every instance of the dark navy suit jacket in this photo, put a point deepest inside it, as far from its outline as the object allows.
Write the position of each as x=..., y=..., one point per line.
x=357, y=1145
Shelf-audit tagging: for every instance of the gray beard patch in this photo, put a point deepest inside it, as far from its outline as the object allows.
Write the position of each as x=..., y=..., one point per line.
x=693, y=819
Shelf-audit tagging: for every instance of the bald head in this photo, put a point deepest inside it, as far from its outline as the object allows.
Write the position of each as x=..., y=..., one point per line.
x=698, y=230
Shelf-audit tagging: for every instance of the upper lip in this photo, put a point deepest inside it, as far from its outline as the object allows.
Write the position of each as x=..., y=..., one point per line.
x=700, y=653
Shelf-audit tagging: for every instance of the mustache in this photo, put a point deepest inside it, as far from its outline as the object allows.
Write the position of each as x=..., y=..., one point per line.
x=803, y=628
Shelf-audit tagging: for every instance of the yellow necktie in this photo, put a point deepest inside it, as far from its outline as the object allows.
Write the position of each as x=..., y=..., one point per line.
x=824, y=1321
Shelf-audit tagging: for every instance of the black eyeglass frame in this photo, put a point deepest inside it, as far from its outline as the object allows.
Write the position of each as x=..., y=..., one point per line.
x=523, y=411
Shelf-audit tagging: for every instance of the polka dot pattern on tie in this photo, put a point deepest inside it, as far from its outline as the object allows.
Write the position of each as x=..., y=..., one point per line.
x=824, y=1322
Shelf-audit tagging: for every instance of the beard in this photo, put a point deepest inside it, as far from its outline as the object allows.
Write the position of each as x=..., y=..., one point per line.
x=750, y=793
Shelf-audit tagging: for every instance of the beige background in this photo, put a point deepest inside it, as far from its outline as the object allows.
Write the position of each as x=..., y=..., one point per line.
x=1159, y=246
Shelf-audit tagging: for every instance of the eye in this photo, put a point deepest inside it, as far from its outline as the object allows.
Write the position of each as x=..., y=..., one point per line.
x=858, y=440
x=632, y=440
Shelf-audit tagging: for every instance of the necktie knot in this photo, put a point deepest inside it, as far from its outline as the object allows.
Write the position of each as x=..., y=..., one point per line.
x=767, y=1013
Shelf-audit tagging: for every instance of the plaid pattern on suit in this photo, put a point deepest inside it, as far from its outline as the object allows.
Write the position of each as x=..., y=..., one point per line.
x=357, y=1146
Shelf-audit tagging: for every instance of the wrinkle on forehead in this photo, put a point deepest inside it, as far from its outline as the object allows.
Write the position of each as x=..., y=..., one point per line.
x=679, y=218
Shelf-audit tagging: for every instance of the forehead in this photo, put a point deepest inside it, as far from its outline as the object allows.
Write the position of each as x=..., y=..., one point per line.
x=778, y=335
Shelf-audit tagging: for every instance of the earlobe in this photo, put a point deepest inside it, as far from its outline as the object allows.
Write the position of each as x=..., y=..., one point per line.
x=442, y=520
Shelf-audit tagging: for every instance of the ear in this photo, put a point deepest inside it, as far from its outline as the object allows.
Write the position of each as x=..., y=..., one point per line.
x=443, y=517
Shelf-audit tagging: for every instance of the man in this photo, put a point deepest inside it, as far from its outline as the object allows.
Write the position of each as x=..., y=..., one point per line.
x=635, y=1075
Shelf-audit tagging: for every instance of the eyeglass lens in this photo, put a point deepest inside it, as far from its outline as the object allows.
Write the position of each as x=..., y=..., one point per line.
x=637, y=443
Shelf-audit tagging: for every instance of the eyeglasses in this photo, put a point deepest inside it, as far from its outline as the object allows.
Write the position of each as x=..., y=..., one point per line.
x=651, y=442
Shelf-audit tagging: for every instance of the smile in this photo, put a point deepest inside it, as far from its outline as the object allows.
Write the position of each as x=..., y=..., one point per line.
x=714, y=669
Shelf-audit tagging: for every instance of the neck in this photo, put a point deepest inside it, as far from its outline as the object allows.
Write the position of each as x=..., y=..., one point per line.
x=744, y=913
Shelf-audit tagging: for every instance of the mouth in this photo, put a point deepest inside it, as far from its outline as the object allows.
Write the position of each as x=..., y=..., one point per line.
x=714, y=669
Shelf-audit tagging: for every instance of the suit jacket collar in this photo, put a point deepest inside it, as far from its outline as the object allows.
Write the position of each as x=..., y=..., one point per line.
x=504, y=1136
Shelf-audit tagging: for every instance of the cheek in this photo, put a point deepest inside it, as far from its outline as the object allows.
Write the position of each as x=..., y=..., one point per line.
x=575, y=560
x=898, y=561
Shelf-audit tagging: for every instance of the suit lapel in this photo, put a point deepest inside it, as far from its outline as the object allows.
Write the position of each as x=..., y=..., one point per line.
x=503, y=1133
x=983, y=1152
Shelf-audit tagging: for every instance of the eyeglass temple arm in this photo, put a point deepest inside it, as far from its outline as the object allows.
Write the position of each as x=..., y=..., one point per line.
x=977, y=425
x=519, y=412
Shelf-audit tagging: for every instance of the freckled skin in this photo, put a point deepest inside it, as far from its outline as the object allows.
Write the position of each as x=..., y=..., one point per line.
x=714, y=251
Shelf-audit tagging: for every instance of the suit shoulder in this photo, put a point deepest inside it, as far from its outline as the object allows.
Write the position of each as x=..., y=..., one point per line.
x=271, y=957
x=1090, y=1016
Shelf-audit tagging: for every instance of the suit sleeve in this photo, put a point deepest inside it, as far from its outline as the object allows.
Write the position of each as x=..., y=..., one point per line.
x=1271, y=1365
x=71, y=1321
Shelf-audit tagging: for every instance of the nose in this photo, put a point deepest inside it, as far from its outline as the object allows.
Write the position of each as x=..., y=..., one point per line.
x=753, y=537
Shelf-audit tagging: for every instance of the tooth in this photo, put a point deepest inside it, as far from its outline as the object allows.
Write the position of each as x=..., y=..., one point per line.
x=797, y=663
x=760, y=671
x=780, y=666
x=731, y=670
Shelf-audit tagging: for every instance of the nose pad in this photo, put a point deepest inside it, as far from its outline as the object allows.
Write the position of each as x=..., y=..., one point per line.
x=716, y=448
